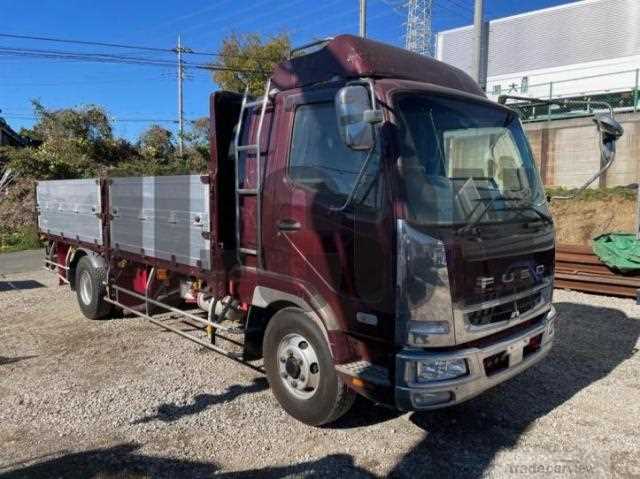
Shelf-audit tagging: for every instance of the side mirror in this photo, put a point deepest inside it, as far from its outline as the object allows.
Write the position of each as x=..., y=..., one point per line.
x=356, y=117
x=610, y=128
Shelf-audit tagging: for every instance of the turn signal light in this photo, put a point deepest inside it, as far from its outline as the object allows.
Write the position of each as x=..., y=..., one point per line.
x=162, y=274
x=359, y=383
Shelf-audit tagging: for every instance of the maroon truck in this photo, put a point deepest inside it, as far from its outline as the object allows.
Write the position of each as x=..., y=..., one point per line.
x=373, y=224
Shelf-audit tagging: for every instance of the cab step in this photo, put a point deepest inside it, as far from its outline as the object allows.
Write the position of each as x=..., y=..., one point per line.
x=368, y=372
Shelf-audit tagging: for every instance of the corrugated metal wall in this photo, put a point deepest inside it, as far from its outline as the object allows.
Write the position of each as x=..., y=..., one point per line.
x=577, y=33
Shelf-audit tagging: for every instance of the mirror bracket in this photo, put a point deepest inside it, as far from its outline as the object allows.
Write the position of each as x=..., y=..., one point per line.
x=373, y=116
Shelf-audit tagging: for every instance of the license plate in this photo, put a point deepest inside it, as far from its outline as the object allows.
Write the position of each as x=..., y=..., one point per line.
x=515, y=351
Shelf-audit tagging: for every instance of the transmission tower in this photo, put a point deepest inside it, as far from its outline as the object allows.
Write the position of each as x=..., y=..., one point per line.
x=419, y=37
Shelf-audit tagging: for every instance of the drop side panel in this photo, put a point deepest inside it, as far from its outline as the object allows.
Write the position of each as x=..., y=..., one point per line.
x=70, y=208
x=164, y=217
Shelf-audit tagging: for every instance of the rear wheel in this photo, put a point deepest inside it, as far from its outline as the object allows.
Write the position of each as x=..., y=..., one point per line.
x=300, y=369
x=90, y=289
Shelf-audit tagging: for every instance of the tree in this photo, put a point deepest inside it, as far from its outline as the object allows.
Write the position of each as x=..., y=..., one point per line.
x=250, y=60
x=68, y=143
x=196, y=152
x=156, y=144
x=156, y=152
x=89, y=122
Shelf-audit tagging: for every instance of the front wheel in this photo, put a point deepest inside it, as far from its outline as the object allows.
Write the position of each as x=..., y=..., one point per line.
x=300, y=369
x=90, y=289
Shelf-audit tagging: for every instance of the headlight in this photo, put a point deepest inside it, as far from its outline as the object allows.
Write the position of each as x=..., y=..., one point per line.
x=430, y=370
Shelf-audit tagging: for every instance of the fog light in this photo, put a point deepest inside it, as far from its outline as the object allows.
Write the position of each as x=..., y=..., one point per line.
x=424, y=399
x=429, y=370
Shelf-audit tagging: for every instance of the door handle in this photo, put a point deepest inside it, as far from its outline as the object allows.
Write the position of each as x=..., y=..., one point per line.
x=288, y=225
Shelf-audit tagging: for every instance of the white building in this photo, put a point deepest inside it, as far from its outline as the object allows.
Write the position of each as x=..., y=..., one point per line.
x=583, y=49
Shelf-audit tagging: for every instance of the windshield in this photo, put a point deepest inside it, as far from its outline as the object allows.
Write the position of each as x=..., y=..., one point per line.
x=464, y=162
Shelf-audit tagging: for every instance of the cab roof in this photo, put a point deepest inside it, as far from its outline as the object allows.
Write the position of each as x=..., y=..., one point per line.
x=350, y=57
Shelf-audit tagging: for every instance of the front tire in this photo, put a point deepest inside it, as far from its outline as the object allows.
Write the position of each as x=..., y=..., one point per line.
x=91, y=290
x=300, y=369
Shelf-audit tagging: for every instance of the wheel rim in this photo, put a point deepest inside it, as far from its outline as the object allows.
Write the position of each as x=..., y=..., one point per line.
x=298, y=366
x=86, y=287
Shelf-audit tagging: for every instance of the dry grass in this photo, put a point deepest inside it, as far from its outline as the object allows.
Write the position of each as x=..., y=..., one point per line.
x=17, y=207
x=17, y=218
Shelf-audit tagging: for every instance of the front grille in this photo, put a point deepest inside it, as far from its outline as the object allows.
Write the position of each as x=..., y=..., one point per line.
x=505, y=311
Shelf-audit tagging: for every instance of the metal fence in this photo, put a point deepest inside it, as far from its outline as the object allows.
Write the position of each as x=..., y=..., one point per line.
x=620, y=89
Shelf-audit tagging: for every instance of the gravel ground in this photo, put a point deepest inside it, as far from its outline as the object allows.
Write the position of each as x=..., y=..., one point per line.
x=122, y=398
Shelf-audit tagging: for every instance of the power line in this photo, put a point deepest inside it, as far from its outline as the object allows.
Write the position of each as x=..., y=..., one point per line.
x=118, y=45
x=111, y=58
x=111, y=118
x=87, y=81
x=161, y=25
x=396, y=7
x=453, y=9
x=461, y=6
x=323, y=19
x=83, y=42
x=249, y=11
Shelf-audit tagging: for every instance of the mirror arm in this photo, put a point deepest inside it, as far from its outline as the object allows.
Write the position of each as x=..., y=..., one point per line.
x=356, y=185
x=606, y=153
x=371, y=86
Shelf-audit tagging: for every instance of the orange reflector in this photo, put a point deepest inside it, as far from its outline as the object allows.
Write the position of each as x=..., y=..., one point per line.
x=357, y=382
x=162, y=274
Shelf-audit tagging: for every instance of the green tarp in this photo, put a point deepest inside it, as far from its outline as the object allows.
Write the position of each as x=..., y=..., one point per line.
x=620, y=251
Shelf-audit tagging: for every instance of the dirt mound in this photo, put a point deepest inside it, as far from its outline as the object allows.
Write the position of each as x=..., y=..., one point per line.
x=578, y=221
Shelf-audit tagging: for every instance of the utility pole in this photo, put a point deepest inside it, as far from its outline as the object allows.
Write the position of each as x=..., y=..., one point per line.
x=179, y=51
x=363, y=19
x=479, y=57
x=418, y=36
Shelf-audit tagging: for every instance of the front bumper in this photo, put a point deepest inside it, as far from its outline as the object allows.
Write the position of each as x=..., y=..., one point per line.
x=511, y=354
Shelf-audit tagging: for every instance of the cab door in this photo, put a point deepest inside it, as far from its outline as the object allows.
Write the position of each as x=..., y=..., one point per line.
x=315, y=237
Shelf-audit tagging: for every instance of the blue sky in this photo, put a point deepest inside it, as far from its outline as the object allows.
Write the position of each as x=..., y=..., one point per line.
x=144, y=92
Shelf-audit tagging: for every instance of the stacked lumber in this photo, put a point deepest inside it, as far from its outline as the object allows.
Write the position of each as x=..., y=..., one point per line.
x=579, y=269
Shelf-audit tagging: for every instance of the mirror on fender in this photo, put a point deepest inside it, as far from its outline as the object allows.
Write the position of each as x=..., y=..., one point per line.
x=356, y=117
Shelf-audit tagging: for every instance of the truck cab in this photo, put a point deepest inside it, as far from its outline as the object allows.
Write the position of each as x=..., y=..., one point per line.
x=404, y=209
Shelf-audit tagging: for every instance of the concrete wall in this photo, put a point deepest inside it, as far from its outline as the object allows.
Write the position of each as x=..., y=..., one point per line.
x=567, y=151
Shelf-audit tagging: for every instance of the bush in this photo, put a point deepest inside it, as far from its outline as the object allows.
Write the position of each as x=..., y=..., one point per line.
x=25, y=237
x=79, y=143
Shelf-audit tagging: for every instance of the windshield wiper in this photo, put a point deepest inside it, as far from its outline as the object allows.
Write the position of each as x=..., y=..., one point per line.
x=531, y=207
x=524, y=206
x=466, y=228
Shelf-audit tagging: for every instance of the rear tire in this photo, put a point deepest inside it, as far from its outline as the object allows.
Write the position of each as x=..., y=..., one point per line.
x=300, y=369
x=91, y=290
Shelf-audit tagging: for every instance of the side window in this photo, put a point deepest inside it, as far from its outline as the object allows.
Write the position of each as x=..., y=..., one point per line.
x=319, y=160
